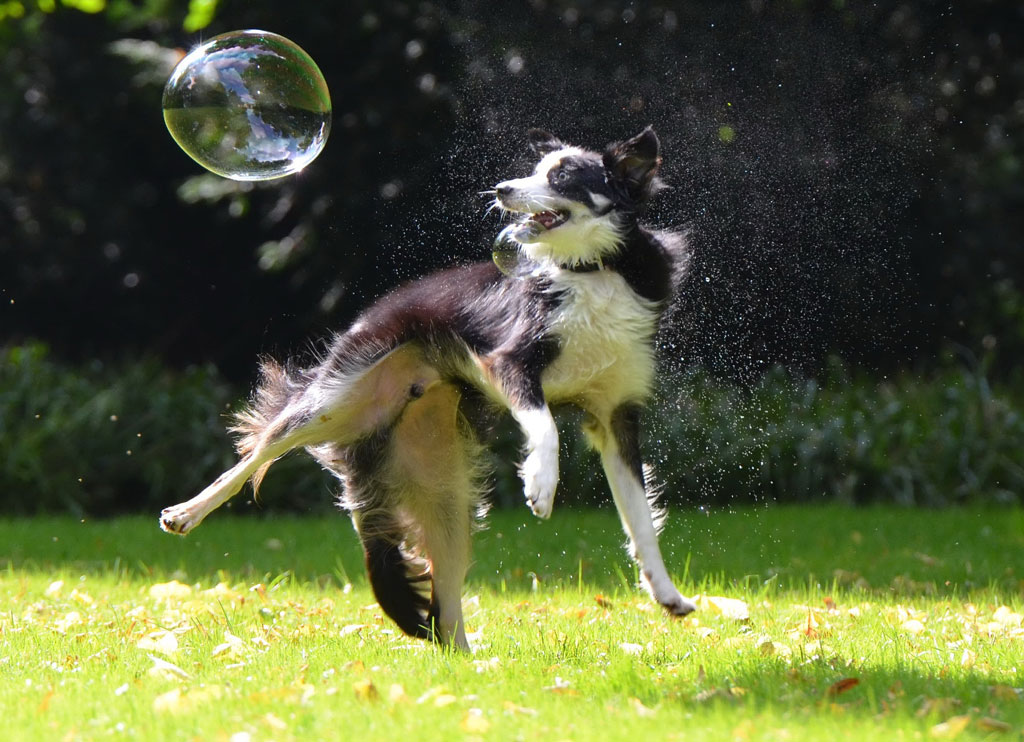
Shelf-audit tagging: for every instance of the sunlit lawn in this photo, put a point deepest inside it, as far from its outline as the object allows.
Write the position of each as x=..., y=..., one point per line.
x=815, y=624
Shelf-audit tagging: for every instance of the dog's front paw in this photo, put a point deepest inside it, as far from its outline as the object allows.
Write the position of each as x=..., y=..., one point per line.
x=177, y=519
x=540, y=478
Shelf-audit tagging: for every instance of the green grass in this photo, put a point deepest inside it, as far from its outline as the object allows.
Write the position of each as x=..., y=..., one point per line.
x=862, y=624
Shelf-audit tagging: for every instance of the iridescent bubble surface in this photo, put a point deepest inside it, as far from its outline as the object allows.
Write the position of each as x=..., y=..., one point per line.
x=248, y=105
x=506, y=253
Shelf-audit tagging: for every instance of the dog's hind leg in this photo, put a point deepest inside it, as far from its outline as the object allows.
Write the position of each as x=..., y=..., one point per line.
x=618, y=442
x=400, y=571
x=429, y=473
x=182, y=518
x=337, y=409
x=434, y=453
x=446, y=543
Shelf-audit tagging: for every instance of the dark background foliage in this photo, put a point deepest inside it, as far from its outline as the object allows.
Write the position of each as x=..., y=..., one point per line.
x=850, y=173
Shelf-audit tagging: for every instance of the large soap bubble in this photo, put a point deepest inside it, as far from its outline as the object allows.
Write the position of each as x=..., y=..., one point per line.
x=248, y=105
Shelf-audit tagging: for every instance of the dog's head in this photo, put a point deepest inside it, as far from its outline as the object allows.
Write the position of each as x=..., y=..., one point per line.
x=575, y=206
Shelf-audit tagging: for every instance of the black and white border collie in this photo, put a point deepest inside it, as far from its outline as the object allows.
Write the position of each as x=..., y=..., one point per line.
x=399, y=402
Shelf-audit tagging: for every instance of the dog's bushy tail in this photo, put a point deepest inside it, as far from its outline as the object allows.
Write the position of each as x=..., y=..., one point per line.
x=276, y=388
x=401, y=583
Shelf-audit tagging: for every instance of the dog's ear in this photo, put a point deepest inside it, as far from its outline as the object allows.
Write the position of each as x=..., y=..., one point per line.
x=542, y=142
x=634, y=163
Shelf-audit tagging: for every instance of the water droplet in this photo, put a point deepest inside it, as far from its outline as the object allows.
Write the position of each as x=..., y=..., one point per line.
x=248, y=105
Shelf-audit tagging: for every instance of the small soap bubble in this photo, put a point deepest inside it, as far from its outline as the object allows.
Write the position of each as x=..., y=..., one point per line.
x=248, y=105
x=506, y=253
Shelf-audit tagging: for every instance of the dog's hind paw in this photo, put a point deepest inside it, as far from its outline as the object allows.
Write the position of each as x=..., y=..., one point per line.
x=177, y=519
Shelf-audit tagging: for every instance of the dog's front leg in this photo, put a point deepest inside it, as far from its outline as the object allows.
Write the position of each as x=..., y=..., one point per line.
x=510, y=371
x=539, y=469
x=618, y=442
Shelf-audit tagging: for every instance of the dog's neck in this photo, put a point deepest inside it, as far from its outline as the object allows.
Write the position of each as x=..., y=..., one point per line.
x=590, y=267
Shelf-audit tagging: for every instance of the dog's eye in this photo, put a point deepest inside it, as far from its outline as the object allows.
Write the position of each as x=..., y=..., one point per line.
x=416, y=391
x=562, y=176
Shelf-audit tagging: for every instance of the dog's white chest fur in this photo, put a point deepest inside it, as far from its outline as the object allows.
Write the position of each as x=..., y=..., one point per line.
x=604, y=332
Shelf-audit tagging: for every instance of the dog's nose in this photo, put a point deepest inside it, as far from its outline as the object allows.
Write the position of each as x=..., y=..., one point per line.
x=503, y=189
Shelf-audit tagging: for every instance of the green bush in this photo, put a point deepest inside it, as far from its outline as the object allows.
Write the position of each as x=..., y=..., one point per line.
x=96, y=439
x=945, y=439
x=99, y=438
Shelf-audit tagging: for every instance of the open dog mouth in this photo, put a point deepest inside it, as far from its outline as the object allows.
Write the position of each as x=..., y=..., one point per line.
x=529, y=226
x=548, y=219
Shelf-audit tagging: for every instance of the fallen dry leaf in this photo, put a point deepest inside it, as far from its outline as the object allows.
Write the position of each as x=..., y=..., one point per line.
x=603, y=602
x=1007, y=617
x=938, y=707
x=231, y=648
x=222, y=591
x=44, y=704
x=482, y=666
x=168, y=702
x=951, y=728
x=708, y=634
x=968, y=659
x=770, y=648
x=841, y=686
x=637, y=705
x=474, y=722
x=164, y=642
x=512, y=708
x=727, y=607
x=912, y=625
x=439, y=695
x=67, y=621
x=172, y=590
x=163, y=668
x=81, y=597
x=744, y=730
x=181, y=701
x=713, y=693
x=993, y=725
x=365, y=690
x=274, y=722
x=813, y=624
x=1006, y=692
